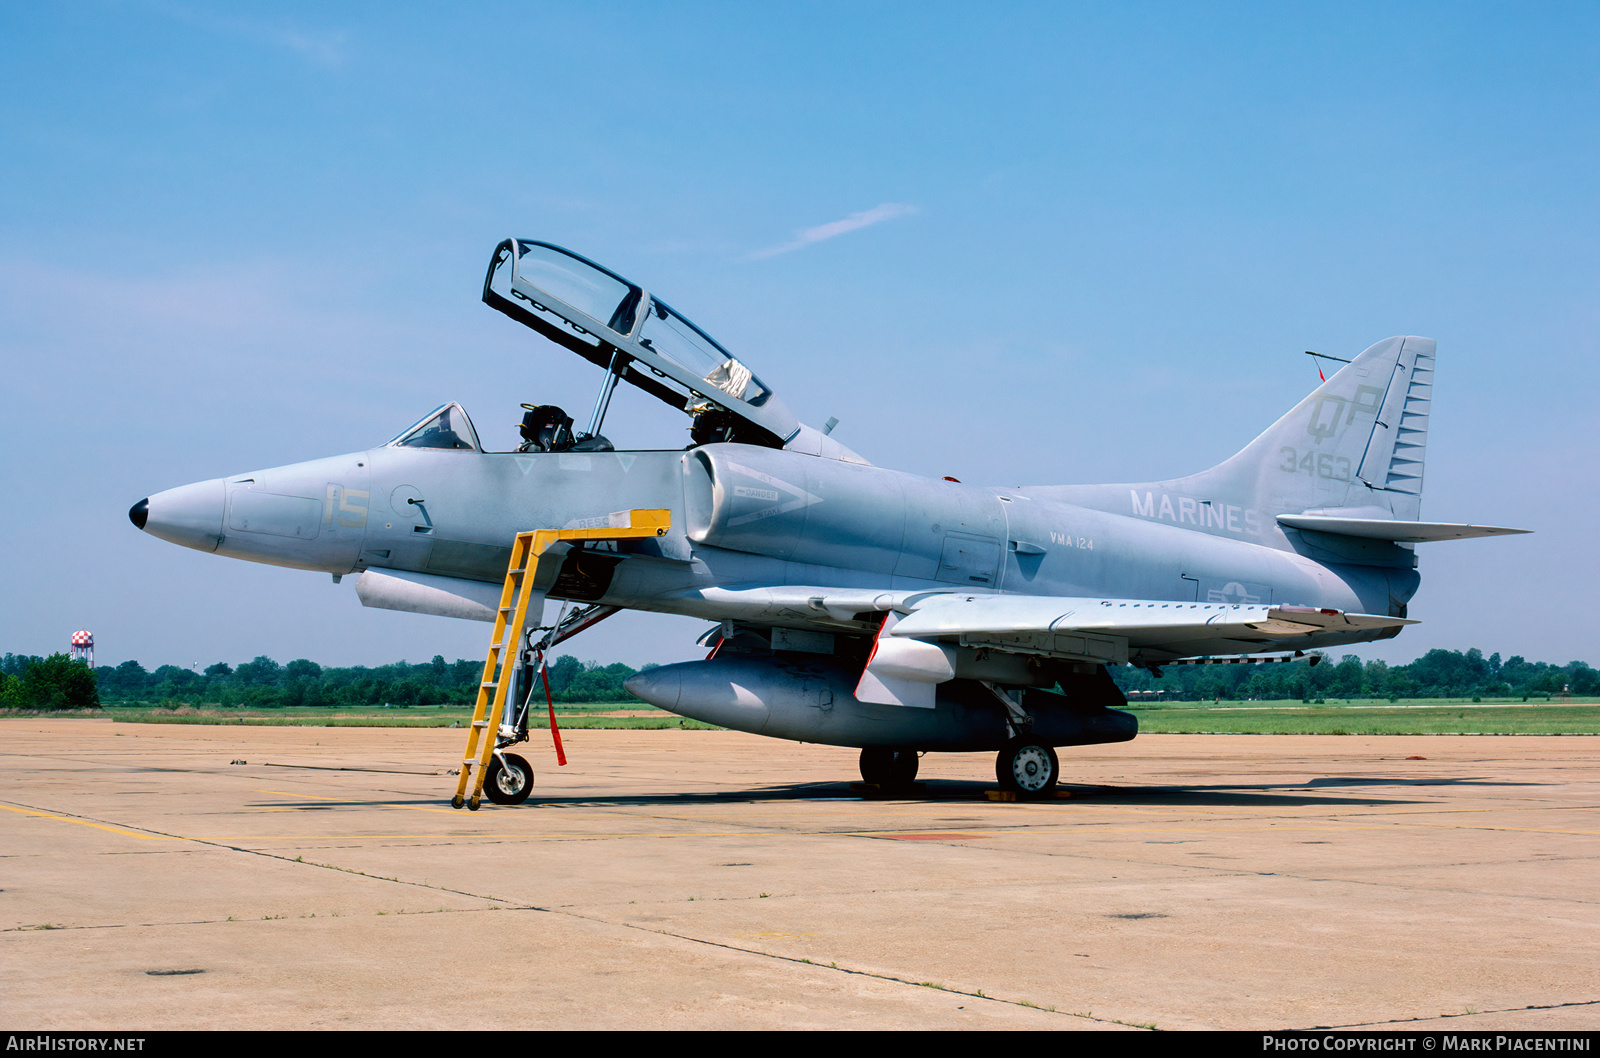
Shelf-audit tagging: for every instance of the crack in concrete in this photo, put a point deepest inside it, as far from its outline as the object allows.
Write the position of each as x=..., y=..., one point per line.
x=1462, y=1014
x=795, y=960
x=510, y=906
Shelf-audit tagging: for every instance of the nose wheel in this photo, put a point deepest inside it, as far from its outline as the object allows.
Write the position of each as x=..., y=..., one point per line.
x=509, y=779
x=1028, y=767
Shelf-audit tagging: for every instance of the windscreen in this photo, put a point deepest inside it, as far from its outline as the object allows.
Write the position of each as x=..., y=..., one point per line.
x=448, y=427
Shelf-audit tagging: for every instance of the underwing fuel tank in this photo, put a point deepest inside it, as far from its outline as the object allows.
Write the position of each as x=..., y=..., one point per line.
x=810, y=699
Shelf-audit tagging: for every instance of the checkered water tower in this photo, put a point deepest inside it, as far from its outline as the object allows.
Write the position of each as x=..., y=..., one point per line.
x=83, y=648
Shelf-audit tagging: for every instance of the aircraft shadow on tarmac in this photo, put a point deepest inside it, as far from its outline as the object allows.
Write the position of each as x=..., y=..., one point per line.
x=1254, y=795
x=1257, y=795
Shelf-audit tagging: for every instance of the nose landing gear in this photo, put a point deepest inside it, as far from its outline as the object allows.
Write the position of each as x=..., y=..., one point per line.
x=509, y=779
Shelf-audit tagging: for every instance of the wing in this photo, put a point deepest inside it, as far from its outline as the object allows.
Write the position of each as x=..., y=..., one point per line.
x=915, y=652
x=920, y=633
x=1106, y=631
x=1116, y=631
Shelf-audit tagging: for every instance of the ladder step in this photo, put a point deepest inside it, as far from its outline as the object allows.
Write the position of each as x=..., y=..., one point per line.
x=480, y=723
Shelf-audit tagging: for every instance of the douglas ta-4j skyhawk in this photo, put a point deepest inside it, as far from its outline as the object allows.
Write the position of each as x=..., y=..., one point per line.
x=855, y=606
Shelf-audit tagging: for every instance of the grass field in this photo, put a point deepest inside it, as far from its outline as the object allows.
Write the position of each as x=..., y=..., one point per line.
x=1337, y=717
x=1429, y=716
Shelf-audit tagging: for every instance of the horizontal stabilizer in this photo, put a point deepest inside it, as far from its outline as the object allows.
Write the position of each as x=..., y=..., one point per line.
x=1399, y=532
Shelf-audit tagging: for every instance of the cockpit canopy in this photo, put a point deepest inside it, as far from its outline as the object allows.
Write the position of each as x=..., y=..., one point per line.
x=621, y=327
x=601, y=295
x=669, y=334
x=636, y=337
x=446, y=427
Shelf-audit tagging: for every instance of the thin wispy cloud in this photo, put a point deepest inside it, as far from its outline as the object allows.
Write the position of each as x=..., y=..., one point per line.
x=833, y=229
x=324, y=49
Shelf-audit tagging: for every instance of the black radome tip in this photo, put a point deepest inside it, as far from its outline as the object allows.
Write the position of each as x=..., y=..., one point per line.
x=139, y=512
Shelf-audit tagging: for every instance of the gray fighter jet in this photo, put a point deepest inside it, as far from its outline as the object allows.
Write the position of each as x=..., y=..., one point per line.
x=855, y=606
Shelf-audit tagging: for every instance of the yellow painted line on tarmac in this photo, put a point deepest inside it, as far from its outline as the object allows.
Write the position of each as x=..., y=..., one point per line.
x=922, y=835
x=436, y=836
x=1530, y=830
x=965, y=834
x=1091, y=830
x=85, y=823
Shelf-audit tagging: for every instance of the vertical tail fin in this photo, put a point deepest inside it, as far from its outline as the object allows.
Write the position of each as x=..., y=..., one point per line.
x=1356, y=443
x=1355, y=446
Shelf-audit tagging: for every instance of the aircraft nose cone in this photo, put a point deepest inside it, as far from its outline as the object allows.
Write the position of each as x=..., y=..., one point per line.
x=190, y=515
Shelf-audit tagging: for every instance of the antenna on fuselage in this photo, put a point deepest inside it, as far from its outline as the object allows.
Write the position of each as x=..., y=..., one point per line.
x=1324, y=356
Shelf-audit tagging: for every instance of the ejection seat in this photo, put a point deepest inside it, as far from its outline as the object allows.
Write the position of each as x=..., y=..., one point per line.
x=547, y=428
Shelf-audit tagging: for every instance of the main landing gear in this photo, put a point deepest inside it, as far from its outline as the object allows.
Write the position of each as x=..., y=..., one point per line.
x=1027, y=766
x=890, y=769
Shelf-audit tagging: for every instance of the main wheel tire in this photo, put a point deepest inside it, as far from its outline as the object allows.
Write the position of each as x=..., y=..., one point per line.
x=510, y=783
x=889, y=768
x=1028, y=767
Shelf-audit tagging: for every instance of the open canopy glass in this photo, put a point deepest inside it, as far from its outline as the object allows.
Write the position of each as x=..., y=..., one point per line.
x=597, y=314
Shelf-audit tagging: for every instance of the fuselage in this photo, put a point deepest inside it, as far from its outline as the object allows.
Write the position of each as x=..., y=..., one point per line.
x=741, y=515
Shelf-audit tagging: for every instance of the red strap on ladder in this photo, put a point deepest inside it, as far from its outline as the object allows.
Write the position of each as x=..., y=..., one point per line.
x=555, y=732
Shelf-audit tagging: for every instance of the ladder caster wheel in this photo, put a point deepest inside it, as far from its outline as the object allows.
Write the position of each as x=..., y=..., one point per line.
x=473, y=804
x=456, y=801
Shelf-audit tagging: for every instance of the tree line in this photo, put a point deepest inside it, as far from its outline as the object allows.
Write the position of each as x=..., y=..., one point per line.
x=1437, y=674
x=57, y=682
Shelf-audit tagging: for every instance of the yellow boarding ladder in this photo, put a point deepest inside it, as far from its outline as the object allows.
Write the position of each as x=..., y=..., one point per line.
x=521, y=574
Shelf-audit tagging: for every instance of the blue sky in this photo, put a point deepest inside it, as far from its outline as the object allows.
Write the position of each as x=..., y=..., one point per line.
x=1018, y=244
